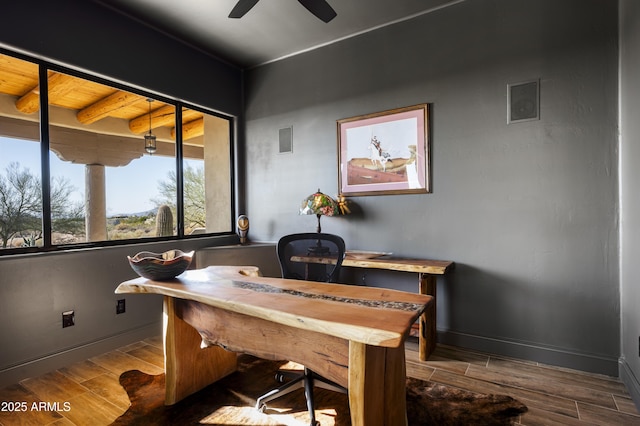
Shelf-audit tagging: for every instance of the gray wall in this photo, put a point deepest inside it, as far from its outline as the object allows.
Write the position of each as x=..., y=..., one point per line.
x=528, y=211
x=630, y=197
x=263, y=256
x=36, y=289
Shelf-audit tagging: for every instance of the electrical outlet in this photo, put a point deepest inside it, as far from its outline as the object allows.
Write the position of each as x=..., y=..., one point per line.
x=68, y=319
x=121, y=307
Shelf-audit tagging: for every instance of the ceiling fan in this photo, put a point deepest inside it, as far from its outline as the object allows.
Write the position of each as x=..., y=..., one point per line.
x=320, y=8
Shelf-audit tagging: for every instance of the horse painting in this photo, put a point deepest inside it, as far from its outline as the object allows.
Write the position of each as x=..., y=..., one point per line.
x=378, y=155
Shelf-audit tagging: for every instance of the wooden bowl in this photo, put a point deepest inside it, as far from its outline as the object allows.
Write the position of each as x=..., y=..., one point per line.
x=160, y=266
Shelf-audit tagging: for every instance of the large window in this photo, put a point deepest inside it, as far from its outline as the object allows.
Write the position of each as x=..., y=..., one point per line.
x=118, y=167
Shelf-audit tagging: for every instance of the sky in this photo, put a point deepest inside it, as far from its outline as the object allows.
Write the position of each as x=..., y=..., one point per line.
x=129, y=189
x=394, y=136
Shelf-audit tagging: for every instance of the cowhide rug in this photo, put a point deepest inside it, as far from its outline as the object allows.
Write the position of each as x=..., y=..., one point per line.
x=231, y=401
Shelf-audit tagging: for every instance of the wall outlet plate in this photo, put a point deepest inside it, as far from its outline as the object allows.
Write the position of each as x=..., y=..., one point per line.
x=68, y=319
x=121, y=306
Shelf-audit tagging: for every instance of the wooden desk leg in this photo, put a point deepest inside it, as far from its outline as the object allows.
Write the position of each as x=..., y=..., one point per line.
x=187, y=367
x=427, y=338
x=377, y=385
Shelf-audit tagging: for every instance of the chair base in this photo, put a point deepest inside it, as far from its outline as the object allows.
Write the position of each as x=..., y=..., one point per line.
x=306, y=380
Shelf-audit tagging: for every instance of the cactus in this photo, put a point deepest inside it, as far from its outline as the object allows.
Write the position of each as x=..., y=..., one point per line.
x=164, y=221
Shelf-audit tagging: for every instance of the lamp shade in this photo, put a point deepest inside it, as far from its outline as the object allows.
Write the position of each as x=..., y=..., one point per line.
x=319, y=204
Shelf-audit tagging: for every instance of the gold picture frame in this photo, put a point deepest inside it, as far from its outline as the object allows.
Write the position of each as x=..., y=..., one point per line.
x=386, y=152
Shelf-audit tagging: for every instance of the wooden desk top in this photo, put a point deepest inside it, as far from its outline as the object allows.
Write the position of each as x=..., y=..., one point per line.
x=373, y=316
x=401, y=264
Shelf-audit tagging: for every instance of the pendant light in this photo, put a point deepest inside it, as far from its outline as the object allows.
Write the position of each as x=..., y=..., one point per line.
x=150, y=138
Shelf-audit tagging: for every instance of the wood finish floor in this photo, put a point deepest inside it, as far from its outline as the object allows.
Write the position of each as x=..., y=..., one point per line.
x=88, y=393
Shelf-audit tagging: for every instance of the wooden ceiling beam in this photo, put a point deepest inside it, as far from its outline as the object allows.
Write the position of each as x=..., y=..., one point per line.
x=105, y=106
x=164, y=116
x=59, y=85
x=190, y=130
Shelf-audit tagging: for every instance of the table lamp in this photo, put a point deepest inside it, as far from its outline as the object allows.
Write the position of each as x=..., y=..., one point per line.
x=321, y=205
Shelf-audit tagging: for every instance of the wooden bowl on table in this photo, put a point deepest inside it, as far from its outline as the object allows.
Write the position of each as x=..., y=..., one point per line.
x=160, y=266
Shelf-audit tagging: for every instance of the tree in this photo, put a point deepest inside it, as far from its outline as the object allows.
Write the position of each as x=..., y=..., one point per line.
x=21, y=205
x=66, y=217
x=19, y=202
x=194, y=195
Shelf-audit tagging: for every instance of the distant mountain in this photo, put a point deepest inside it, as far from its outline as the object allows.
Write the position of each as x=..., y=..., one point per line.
x=153, y=212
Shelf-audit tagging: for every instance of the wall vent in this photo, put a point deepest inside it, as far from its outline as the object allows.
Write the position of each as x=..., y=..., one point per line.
x=285, y=140
x=523, y=101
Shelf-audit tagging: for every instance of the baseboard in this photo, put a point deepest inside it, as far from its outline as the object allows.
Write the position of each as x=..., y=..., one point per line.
x=530, y=352
x=630, y=381
x=79, y=353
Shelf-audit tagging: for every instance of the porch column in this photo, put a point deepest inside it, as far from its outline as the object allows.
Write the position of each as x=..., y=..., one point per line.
x=217, y=170
x=95, y=203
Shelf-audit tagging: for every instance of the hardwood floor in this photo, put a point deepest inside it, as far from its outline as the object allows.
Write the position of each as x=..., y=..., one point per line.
x=88, y=393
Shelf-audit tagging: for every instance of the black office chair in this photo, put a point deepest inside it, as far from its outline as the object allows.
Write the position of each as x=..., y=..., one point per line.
x=296, y=253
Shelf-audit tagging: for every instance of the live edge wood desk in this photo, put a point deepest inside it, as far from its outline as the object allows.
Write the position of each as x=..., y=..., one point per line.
x=427, y=271
x=349, y=334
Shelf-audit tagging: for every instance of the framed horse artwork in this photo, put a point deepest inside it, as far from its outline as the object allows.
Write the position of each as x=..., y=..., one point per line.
x=385, y=152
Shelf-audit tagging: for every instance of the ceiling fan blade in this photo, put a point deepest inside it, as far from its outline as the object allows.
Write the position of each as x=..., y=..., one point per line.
x=320, y=8
x=242, y=7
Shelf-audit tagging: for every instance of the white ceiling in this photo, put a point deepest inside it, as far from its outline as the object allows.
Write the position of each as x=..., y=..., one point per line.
x=272, y=30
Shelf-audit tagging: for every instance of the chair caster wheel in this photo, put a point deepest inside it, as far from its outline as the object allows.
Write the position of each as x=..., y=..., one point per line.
x=262, y=408
x=280, y=378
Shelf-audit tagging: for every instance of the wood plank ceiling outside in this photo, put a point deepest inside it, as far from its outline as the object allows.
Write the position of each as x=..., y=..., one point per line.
x=92, y=101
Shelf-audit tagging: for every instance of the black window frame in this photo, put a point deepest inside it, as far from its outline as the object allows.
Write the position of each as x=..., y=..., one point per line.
x=43, y=68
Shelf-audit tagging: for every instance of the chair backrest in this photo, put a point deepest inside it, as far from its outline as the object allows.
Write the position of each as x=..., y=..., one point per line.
x=311, y=256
